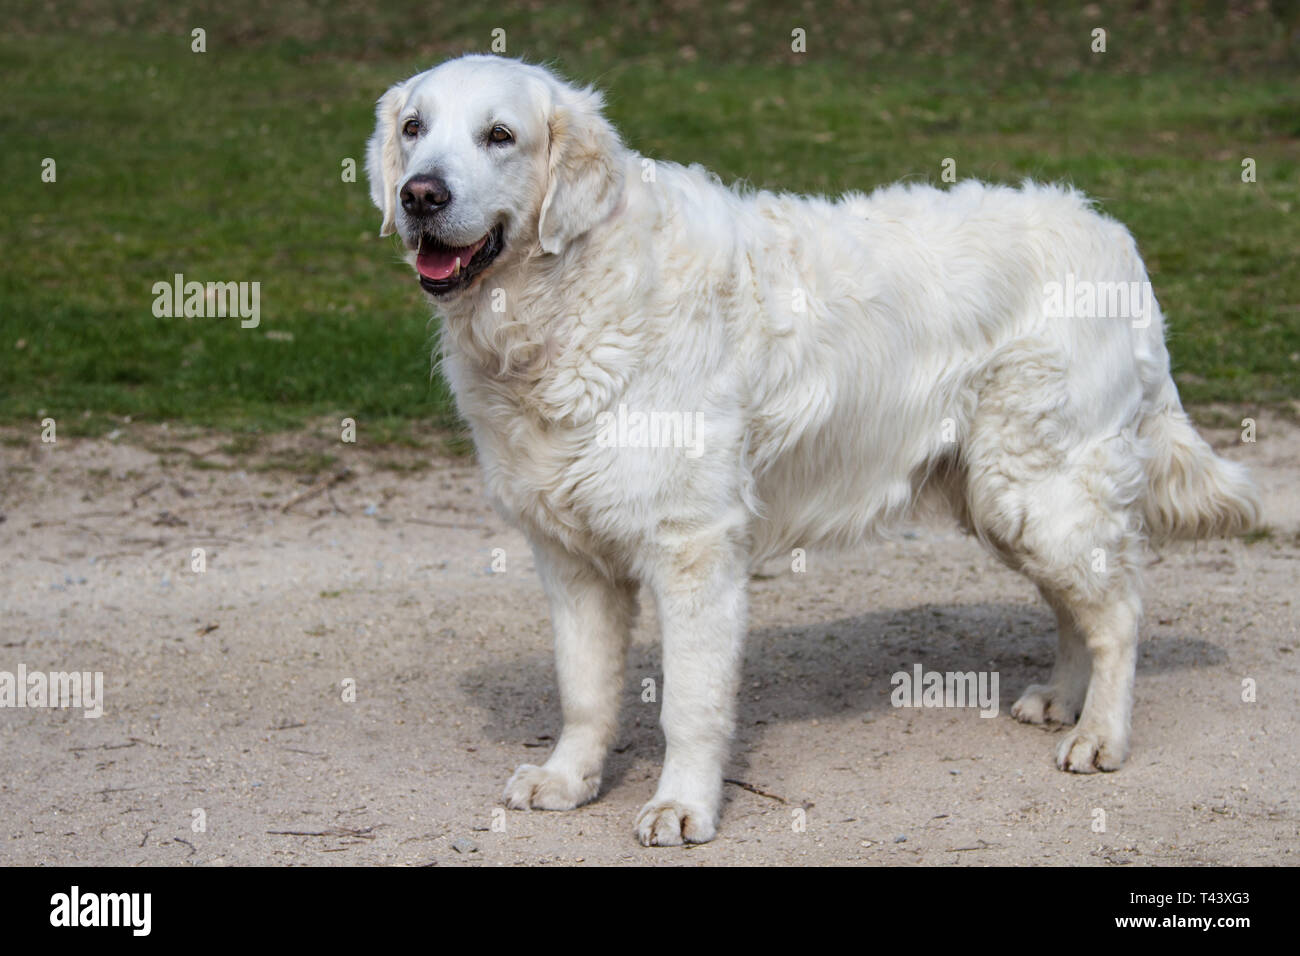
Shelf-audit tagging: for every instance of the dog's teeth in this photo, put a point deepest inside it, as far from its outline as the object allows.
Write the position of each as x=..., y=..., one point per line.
x=455, y=271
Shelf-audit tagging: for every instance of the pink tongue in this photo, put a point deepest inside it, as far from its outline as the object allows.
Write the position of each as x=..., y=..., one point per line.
x=441, y=263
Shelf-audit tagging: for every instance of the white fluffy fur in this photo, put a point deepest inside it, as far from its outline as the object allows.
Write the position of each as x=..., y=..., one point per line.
x=922, y=365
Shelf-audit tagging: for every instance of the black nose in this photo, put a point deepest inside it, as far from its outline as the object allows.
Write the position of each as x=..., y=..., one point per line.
x=423, y=195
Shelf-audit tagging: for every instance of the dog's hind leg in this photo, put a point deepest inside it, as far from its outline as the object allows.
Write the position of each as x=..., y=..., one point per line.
x=1064, y=511
x=1100, y=740
x=1060, y=700
x=591, y=616
x=1083, y=556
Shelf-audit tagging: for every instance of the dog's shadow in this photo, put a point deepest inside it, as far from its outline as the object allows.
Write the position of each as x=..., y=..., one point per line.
x=819, y=670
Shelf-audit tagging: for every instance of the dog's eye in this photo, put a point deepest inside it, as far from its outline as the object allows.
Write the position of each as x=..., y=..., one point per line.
x=412, y=128
x=500, y=134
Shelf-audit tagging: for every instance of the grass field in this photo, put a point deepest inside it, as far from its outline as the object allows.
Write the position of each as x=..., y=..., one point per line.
x=226, y=165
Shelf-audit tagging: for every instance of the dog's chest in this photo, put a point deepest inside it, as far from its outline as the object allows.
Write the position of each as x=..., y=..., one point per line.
x=536, y=434
x=546, y=482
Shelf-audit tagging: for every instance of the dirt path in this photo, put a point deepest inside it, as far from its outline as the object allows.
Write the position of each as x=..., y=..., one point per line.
x=224, y=690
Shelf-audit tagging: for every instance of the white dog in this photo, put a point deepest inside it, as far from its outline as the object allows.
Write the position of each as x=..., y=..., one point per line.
x=994, y=348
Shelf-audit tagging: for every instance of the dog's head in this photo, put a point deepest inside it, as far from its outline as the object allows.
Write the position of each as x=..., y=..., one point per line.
x=483, y=156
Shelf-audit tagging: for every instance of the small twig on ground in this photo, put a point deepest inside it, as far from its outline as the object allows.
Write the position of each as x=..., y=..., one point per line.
x=364, y=833
x=753, y=789
x=143, y=492
x=319, y=488
x=966, y=849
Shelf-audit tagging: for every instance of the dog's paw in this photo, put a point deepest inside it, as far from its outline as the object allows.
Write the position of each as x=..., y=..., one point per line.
x=543, y=788
x=1043, y=704
x=1083, y=751
x=671, y=823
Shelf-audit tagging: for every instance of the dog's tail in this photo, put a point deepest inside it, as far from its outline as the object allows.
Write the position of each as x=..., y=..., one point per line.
x=1191, y=491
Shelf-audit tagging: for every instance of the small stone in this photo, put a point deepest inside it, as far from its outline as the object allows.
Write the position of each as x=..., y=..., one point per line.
x=463, y=845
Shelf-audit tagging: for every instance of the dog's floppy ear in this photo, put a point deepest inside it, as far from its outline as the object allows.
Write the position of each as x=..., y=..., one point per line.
x=384, y=156
x=585, y=176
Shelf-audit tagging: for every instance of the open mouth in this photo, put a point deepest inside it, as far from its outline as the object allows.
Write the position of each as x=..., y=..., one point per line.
x=445, y=268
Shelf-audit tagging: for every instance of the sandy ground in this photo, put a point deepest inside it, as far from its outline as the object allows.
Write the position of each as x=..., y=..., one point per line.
x=225, y=689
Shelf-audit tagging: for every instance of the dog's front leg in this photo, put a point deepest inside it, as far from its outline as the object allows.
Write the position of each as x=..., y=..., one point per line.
x=591, y=617
x=699, y=588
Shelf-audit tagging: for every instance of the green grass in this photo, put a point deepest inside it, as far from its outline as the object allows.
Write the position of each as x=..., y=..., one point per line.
x=226, y=166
